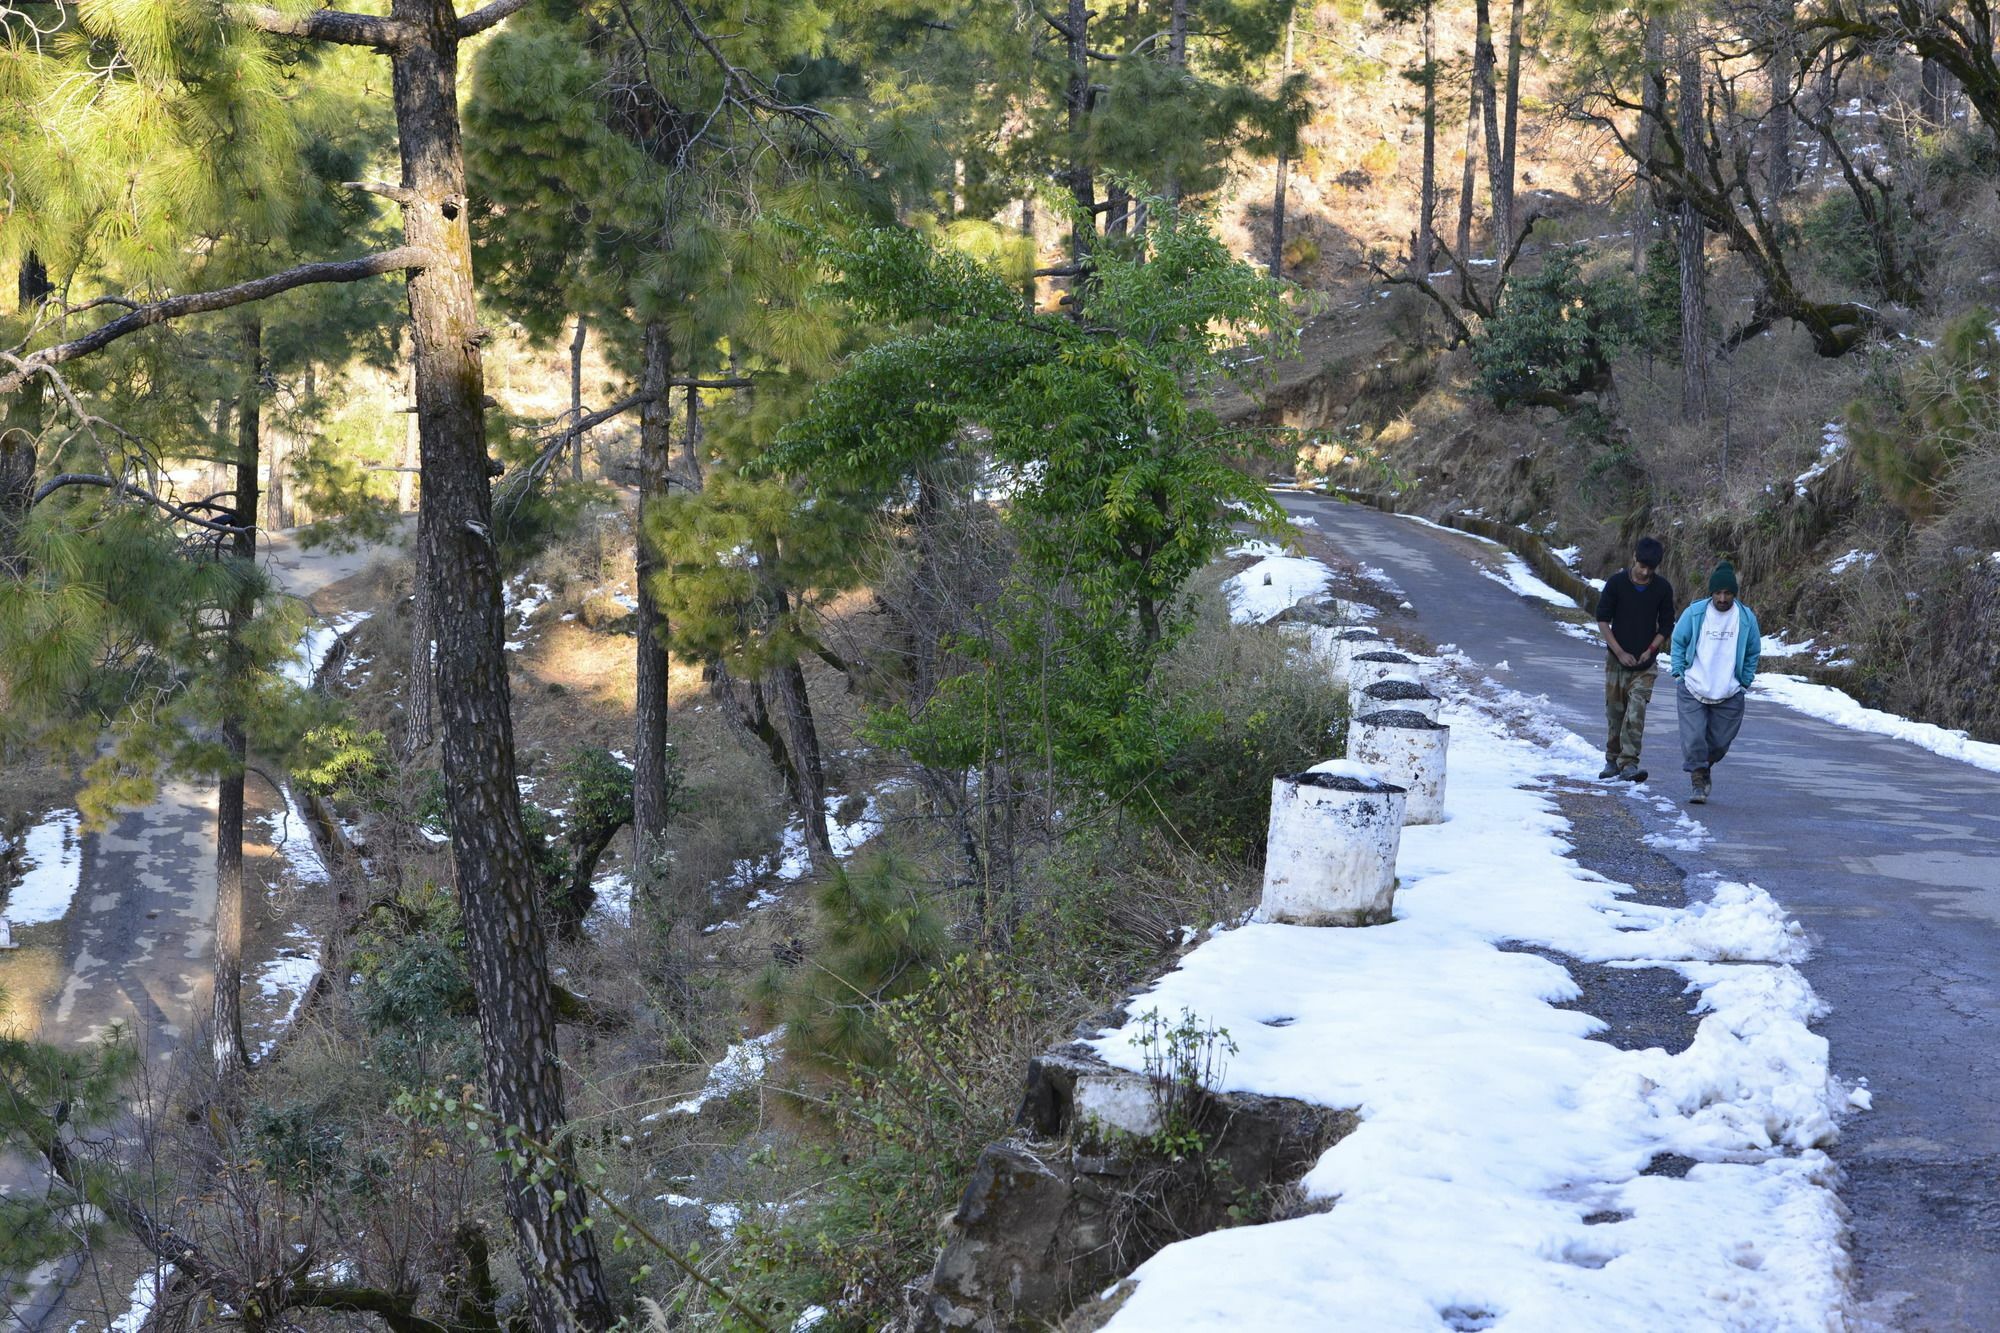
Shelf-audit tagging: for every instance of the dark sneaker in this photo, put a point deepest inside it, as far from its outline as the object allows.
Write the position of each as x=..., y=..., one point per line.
x=1701, y=786
x=1631, y=773
x=1610, y=769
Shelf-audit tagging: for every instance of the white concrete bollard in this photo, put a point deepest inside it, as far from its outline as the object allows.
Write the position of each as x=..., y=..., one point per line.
x=1384, y=695
x=1408, y=749
x=1330, y=854
x=1365, y=668
x=1347, y=641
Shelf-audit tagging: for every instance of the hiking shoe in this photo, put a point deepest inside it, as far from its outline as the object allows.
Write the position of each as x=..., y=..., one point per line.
x=1610, y=769
x=1701, y=786
x=1631, y=773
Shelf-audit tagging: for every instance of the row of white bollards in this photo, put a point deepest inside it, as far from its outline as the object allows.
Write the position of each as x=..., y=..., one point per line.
x=1336, y=829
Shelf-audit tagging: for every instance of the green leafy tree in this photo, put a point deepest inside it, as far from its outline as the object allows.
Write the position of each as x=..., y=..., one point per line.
x=1554, y=334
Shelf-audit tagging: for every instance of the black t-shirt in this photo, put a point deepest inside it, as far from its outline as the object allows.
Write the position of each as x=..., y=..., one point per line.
x=1637, y=614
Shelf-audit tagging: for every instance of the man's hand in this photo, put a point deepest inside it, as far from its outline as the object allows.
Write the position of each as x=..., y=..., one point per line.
x=1631, y=663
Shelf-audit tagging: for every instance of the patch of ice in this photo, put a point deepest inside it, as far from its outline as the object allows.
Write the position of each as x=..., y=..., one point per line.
x=1275, y=584
x=1380, y=578
x=1776, y=646
x=52, y=871
x=1831, y=705
x=292, y=836
x=741, y=1066
x=1841, y=564
x=614, y=896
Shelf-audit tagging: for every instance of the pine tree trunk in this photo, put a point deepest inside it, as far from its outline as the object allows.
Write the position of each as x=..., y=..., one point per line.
x=21, y=429
x=1177, y=58
x=1426, y=243
x=1783, y=64
x=1935, y=100
x=1694, y=272
x=1513, y=122
x=1652, y=102
x=506, y=951
x=1483, y=63
x=1468, y=184
x=649, y=767
x=788, y=684
x=226, y=1010
x=1076, y=102
x=1284, y=162
x=576, y=391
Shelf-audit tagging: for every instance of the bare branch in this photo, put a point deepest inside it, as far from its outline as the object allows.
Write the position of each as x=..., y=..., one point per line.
x=402, y=194
x=486, y=16
x=198, y=303
x=181, y=512
x=325, y=25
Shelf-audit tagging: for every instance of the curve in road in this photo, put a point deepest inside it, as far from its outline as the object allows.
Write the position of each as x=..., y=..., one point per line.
x=1890, y=856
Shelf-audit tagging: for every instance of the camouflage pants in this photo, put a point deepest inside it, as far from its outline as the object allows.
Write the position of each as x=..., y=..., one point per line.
x=1626, y=694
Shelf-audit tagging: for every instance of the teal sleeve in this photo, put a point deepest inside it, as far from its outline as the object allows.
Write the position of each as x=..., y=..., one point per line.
x=1683, y=634
x=1753, y=649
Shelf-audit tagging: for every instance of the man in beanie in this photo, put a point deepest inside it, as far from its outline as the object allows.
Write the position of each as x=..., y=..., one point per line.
x=1635, y=614
x=1716, y=646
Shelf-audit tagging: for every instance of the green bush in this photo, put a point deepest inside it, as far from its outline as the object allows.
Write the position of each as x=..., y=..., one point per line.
x=1555, y=333
x=907, y=1129
x=1251, y=711
x=1836, y=234
x=1911, y=429
x=879, y=936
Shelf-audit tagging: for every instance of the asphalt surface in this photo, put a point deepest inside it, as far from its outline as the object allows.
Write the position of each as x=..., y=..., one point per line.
x=137, y=947
x=1890, y=857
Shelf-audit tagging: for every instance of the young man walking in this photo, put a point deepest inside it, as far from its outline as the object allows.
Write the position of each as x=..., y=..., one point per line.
x=1716, y=647
x=1635, y=614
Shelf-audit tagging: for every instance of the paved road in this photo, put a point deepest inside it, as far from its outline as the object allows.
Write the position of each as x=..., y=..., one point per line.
x=137, y=947
x=1888, y=854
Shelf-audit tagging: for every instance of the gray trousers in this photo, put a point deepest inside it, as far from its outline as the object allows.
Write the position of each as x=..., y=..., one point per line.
x=1707, y=730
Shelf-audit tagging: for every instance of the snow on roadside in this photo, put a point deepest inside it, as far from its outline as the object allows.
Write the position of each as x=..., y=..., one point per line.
x=53, y=871
x=1831, y=705
x=1515, y=574
x=1272, y=586
x=1492, y=1129
x=318, y=640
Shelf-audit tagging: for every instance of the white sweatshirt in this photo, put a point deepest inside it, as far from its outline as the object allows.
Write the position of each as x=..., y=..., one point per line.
x=1711, y=673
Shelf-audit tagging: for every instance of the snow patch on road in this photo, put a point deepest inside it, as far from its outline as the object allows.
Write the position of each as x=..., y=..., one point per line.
x=1491, y=1128
x=1831, y=705
x=53, y=855
x=1272, y=586
x=1515, y=574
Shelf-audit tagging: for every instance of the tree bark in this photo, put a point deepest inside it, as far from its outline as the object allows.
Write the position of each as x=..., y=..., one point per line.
x=1783, y=65
x=1513, y=119
x=1483, y=63
x=226, y=1009
x=1935, y=100
x=649, y=767
x=1177, y=57
x=21, y=429
x=1284, y=162
x=1468, y=184
x=1652, y=101
x=1076, y=102
x=506, y=950
x=1426, y=240
x=1692, y=234
x=576, y=391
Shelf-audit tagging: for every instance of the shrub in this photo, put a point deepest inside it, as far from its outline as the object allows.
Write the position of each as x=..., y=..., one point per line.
x=1555, y=332
x=1836, y=234
x=1910, y=430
